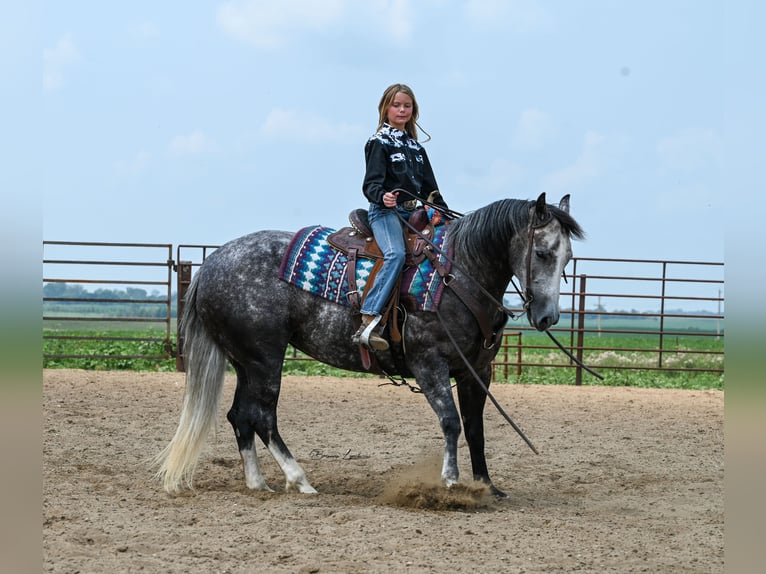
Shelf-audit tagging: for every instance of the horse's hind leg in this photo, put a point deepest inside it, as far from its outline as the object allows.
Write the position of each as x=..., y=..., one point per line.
x=254, y=411
x=245, y=433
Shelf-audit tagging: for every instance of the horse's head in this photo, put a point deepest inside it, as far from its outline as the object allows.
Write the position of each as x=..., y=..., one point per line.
x=527, y=239
x=540, y=266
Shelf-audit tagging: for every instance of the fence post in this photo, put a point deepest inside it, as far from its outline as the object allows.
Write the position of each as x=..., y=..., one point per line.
x=662, y=313
x=518, y=353
x=183, y=278
x=168, y=344
x=501, y=359
x=580, y=332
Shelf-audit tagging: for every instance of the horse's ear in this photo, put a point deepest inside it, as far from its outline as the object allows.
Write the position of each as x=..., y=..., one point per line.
x=564, y=203
x=541, y=209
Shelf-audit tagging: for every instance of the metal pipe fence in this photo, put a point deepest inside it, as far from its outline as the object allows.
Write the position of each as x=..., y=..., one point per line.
x=678, y=325
x=70, y=266
x=617, y=314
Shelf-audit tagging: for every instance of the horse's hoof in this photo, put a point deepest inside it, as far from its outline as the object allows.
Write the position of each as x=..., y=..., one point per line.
x=259, y=486
x=496, y=492
x=302, y=487
x=308, y=490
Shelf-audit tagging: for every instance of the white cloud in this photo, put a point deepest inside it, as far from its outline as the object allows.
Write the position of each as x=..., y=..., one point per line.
x=690, y=149
x=534, y=130
x=133, y=166
x=268, y=24
x=307, y=128
x=518, y=15
x=485, y=11
x=147, y=30
x=193, y=143
x=499, y=180
x=395, y=15
x=56, y=61
x=271, y=25
x=588, y=165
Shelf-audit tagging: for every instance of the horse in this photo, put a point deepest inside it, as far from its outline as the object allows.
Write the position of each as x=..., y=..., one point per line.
x=237, y=311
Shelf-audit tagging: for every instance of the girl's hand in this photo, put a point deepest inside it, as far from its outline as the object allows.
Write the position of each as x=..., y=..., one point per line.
x=389, y=199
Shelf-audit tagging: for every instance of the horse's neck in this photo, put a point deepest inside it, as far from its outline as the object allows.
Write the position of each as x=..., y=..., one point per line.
x=494, y=278
x=490, y=245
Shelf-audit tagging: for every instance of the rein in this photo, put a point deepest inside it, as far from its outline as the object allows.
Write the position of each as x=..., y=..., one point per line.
x=526, y=296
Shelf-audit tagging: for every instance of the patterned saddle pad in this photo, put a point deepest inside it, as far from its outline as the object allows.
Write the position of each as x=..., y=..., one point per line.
x=312, y=264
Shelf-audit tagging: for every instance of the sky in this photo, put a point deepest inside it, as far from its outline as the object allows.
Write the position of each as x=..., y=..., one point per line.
x=199, y=122
x=196, y=123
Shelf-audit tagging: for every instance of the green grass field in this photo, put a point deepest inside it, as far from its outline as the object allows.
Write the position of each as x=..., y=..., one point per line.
x=638, y=323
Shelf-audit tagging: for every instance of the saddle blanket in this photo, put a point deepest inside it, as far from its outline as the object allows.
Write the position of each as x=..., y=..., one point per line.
x=312, y=264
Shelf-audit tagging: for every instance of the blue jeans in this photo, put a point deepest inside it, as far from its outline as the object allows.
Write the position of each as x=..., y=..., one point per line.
x=388, y=232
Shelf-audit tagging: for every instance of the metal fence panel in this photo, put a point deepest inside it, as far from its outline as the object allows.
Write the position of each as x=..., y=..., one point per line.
x=663, y=301
x=83, y=267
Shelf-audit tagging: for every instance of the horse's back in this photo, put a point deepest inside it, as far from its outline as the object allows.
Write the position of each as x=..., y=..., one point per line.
x=256, y=251
x=241, y=276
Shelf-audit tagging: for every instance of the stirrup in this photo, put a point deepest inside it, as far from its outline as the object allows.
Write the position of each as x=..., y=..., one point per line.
x=367, y=336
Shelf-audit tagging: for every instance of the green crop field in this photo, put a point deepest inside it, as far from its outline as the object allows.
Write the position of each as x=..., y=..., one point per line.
x=688, y=361
x=622, y=359
x=638, y=323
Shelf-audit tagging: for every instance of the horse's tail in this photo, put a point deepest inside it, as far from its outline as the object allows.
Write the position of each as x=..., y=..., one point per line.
x=205, y=370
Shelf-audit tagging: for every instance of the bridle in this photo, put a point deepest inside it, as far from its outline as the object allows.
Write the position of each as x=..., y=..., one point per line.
x=536, y=222
x=526, y=295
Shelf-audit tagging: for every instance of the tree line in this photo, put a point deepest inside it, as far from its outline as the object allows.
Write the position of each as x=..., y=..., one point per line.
x=128, y=302
x=133, y=306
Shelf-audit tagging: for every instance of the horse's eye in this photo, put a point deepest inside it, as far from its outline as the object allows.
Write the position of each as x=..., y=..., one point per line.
x=541, y=254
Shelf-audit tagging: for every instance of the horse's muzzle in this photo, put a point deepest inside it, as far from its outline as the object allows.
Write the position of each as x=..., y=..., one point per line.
x=544, y=317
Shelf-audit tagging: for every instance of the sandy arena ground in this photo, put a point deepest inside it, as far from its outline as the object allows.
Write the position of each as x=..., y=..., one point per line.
x=627, y=480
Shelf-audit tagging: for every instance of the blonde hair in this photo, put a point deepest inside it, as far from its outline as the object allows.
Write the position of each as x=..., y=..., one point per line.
x=412, y=125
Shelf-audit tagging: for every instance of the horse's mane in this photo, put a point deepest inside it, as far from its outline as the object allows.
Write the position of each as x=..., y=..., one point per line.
x=485, y=234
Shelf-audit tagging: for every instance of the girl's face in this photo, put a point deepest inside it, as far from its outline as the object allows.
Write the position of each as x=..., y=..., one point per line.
x=400, y=111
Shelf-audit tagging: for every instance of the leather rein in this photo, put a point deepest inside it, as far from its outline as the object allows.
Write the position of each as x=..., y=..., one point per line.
x=479, y=312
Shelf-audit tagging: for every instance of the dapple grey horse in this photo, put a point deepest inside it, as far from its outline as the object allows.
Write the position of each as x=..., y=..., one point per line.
x=238, y=311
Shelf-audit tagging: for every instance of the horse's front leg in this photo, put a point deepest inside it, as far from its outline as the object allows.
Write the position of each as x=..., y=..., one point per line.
x=434, y=381
x=472, y=399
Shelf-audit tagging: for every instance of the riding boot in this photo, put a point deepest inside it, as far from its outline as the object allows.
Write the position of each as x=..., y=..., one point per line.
x=367, y=335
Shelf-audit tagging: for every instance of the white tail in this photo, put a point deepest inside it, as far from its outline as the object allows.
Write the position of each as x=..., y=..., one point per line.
x=205, y=370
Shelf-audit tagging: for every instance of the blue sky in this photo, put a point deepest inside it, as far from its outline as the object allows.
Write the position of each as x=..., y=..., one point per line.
x=199, y=122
